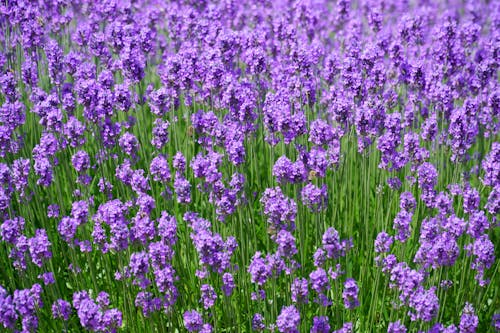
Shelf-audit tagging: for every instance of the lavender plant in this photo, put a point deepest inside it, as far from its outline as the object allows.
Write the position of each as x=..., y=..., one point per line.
x=237, y=166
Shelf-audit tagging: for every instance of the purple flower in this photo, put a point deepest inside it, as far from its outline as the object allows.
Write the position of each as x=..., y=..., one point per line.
x=350, y=294
x=427, y=176
x=39, y=247
x=402, y=223
x=48, y=278
x=80, y=211
x=424, y=303
x=139, y=182
x=286, y=244
x=206, y=166
x=182, y=189
x=483, y=252
x=288, y=320
x=228, y=284
x=407, y=202
x=383, y=242
x=258, y=322
x=346, y=328
x=491, y=166
x=320, y=325
x=443, y=250
x=160, y=133
x=315, y=198
x=27, y=302
x=332, y=244
x=193, y=321
x=478, y=224
x=53, y=211
x=471, y=200
x=320, y=132
x=179, y=162
x=129, y=144
x=319, y=280
x=318, y=161
x=12, y=229
x=94, y=316
x=167, y=227
x=81, y=161
x=258, y=269
x=61, y=309
x=282, y=168
x=396, y=327
x=208, y=296
x=469, y=320
x=463, y=130
x=147, y=302
x=8, y=315
x=493, y=204
x=319, y=257
x=67, y=228
x=495, y=321
x=207, y=328
x=280, y=210
x=160, y=169
x=300, y=290
x=20, y=171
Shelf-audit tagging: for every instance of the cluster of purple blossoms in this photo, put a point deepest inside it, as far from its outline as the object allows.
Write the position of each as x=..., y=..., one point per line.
x=96, y=316
x=214, y=252
x=22, y=305
x=350, y=294
x=111, y=214
x=288, y=320
x=193, y=322
x=61, y=309
x=427, y=180
x=320, y=325
x=286, y=171
x=314, y=198
x=482, y=251
x=280, y=210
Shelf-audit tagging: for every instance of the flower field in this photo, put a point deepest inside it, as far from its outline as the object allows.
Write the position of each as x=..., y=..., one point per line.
x=250, y=166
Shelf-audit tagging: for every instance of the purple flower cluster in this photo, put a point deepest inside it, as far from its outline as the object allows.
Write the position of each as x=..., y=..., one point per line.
x=214, y=253
x=280, y=210
x=95, y=316
x=22, y=305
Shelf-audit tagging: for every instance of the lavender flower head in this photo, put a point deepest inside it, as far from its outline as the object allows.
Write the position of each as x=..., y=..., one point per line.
x=288, y=320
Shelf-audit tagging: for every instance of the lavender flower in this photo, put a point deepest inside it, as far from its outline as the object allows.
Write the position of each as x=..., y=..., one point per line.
x=286, y=244
x=316, y=199
x=258, y=322
x=160, y=169
x=193, y=321
x=300, y=290
x=350, y=294
x=320, y=325
x=80, y=161
x=396, y=327
x=208, y=296
x=383, y=242
x=469, y=321
x=424, y=303
x=228, y=284
x=61, y=309
x=288, y=320
x=39, y=247
x=280, y=211
x=402, y=223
